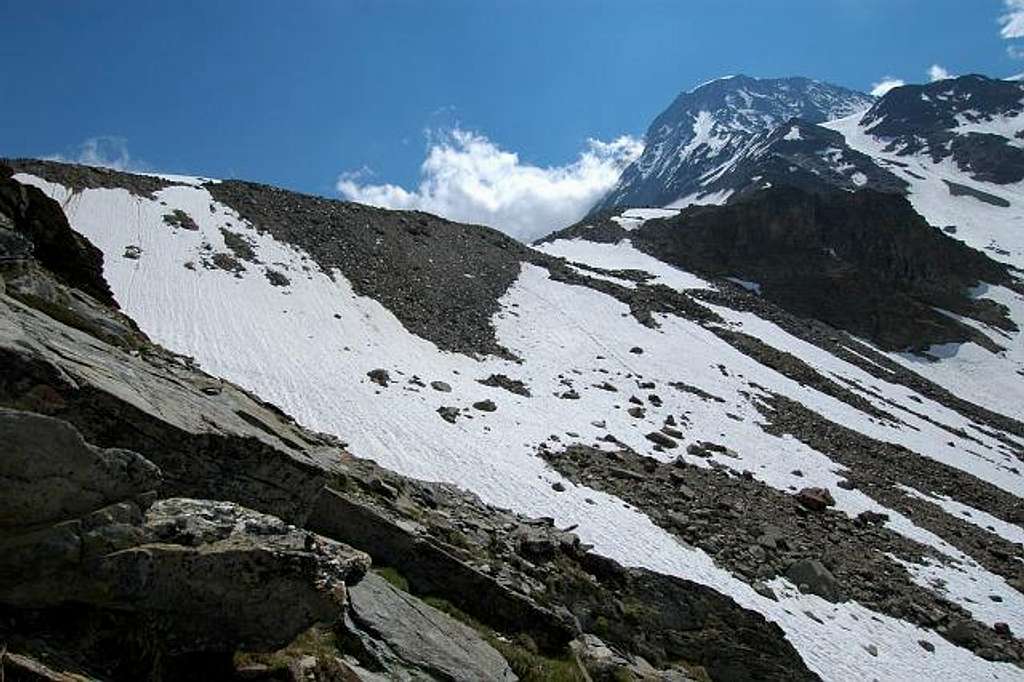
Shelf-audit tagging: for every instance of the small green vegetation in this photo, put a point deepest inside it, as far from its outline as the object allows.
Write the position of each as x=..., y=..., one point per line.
x=316, y=641
x=392, y=576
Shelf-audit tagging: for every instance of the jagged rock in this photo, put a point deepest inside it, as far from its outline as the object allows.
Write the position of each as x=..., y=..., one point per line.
x=810, y=575
x=871, y=518
x=411, y=640
x=636, y=412
x=433, y=569
x=449, y=413
x=511, y=385
x=815, y=499
x=604, y=664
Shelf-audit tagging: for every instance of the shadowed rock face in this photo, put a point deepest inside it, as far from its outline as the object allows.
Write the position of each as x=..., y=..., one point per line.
x=72, y=259
x=80, y=529
x=864, y=262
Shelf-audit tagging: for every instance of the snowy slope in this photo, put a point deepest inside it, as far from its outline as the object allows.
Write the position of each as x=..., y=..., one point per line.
x=307, y=346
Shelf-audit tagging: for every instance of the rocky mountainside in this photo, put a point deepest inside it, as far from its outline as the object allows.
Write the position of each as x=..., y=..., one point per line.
x=637, y=449
x=162, y=523
x=705, y=132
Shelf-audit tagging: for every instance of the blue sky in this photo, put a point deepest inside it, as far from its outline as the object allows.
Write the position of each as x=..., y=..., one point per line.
x=298, y=93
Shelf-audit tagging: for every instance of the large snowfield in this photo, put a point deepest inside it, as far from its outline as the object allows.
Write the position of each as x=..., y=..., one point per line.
x=308, y=346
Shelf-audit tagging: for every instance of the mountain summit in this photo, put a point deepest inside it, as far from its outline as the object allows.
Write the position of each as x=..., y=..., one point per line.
x=705, y=129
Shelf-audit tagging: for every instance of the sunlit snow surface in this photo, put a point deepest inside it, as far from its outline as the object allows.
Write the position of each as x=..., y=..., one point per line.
x=286, y=344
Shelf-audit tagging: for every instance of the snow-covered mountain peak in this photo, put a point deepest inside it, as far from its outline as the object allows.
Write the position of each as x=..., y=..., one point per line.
x=705, y=129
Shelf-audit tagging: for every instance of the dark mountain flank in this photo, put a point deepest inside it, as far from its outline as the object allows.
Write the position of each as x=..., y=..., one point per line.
x=864, y=262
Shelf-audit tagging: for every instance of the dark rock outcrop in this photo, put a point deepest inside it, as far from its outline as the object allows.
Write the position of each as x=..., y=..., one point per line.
x=864, y=262
x=71, y=258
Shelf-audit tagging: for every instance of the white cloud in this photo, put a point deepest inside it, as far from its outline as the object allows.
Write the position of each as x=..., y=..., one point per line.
x=885, y=85
x=468, y=178
x=1013, y=20
x=938, y=73
x=106, y=151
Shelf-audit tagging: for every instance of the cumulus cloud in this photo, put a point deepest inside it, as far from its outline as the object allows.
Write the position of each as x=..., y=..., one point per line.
x=885, y=85
x=938, y=73
x=468, y=178
x=106, y=151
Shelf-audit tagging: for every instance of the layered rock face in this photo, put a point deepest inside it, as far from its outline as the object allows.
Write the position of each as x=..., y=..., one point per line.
x=80, y=526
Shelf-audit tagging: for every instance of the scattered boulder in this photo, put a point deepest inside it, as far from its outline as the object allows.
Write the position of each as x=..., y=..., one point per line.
x=636, y=350
x=815, y=499
x=485, y=405
x=671, y=432
x=379, y=377
x=811, y=576
x=659, y=438
x=511, y=385
x=276, y=278
x=441, y=386
x=871, y=518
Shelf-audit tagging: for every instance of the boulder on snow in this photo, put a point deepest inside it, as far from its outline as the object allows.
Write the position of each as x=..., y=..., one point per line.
x=815, y=499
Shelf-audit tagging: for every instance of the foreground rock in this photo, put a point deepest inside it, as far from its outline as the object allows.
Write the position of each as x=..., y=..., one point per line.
x=399, y=631
x=214, y=575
